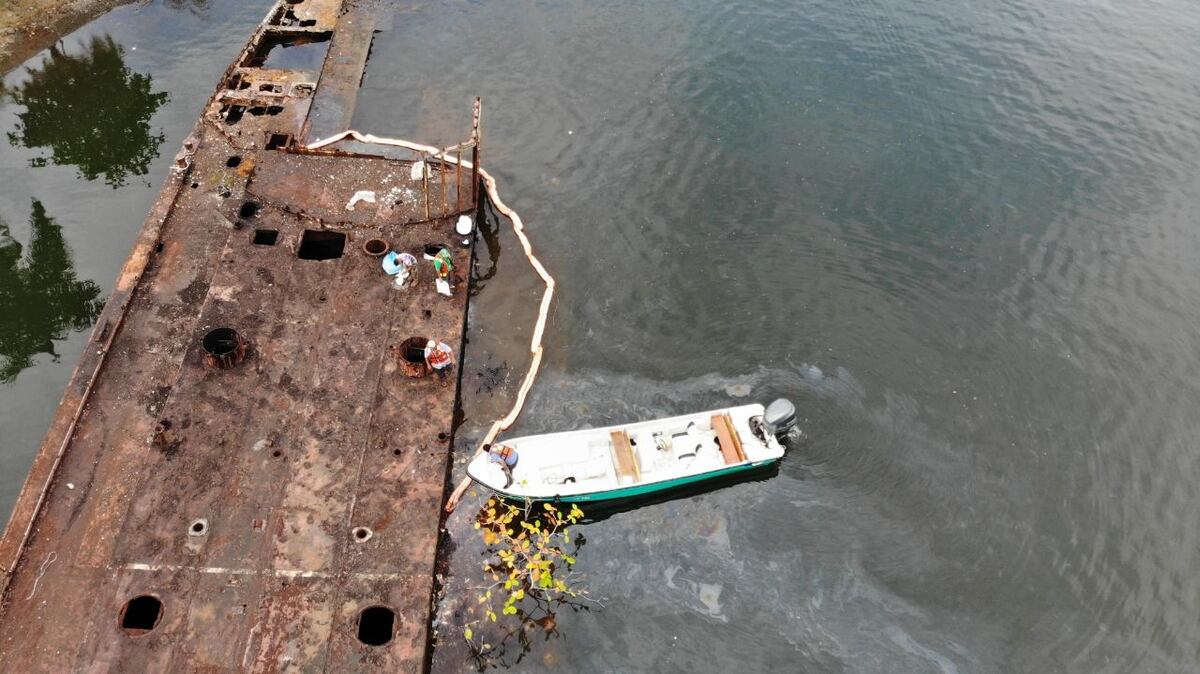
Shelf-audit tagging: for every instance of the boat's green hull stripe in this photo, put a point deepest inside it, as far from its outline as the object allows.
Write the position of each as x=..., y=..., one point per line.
x=649, y=488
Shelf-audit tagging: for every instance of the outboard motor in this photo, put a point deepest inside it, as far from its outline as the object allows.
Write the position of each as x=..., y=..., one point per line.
x=779, y=418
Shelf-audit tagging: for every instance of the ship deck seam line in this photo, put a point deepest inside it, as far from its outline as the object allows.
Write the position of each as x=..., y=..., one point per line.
x=234, y=571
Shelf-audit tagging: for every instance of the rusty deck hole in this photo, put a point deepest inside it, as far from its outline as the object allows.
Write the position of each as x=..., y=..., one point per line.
x=442, y=437
x=396, y=452
x=427, y=313
x=277, y=141
x=376, y=624
x=249, y=209
x=234, y=161
x=413, y=349
x=198, y=527
x=224, y=348
x=260, y=110
x=232, y=114
x=141, y=614
x=277, y=453
x=318, y=244
x=412, y=357
x=265, y=237
x=362, y=534
x=375, y=247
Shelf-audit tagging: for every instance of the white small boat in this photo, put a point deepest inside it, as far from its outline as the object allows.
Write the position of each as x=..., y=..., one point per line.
x=641, y=458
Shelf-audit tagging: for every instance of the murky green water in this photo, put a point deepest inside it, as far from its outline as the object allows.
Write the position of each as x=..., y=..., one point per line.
x=962, y=238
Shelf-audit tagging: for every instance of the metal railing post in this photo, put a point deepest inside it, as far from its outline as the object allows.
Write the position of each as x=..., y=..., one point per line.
x=476, y=137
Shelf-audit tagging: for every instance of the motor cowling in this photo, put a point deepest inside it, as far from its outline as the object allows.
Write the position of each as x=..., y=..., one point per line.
x=779, y=418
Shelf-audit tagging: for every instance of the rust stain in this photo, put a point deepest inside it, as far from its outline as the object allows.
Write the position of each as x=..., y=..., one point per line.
x=221, y=482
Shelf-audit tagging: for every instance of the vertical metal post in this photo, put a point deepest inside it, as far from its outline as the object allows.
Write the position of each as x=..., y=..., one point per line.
x=442, y=181
x=476, y=136
x=458, y=181
x=425, y=181
x=475, y=174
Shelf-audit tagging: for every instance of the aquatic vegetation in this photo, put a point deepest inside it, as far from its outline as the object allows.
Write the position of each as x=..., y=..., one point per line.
x=529, y=558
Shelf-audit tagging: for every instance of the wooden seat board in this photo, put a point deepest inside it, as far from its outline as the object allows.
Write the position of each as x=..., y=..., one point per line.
x=623, y=456
x=727, y=438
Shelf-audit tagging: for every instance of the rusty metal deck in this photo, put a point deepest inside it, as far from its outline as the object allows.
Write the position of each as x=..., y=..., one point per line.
x=267, y=505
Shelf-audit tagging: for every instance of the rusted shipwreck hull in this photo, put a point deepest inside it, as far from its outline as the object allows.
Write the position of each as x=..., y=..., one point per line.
x=271, y=502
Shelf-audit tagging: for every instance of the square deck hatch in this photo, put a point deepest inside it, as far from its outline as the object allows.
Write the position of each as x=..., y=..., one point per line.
x=317, y=244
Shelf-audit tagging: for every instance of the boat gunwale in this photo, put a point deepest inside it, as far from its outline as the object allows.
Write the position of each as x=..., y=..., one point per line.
x=642, y=489
x=618, y=491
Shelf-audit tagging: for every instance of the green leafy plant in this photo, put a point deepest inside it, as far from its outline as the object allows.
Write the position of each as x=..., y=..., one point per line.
x=529, y=559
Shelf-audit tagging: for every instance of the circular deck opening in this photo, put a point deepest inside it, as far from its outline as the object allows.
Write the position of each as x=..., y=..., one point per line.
x=198, y=527
x=249, y=209
x=412, y=357
x=234, y=161
x=376, y=625
x=141, y=615
x=221, y=342
x=224, y=348
x=362, y=534
x=375, y=247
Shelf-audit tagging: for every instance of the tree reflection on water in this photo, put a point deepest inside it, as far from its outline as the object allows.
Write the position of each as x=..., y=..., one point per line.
x=91, y=111
x=40, y=298
x=194, y=7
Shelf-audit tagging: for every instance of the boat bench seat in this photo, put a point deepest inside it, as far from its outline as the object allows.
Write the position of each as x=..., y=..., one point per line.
x=623, y=457
x=727, y=439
